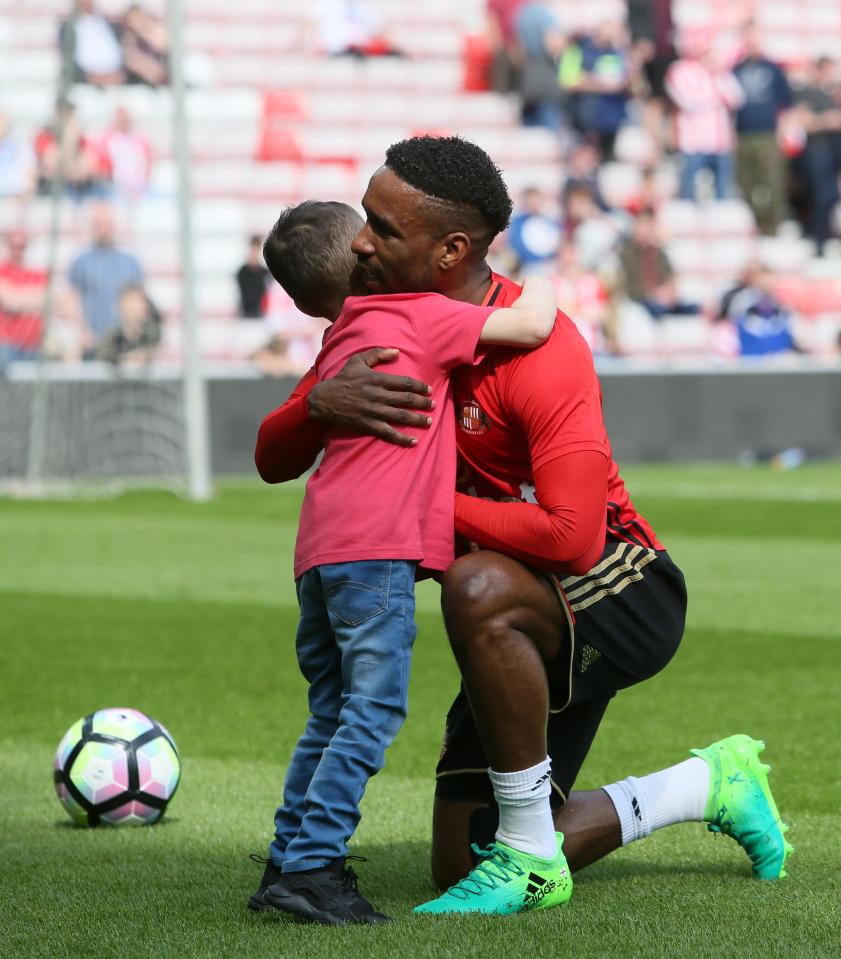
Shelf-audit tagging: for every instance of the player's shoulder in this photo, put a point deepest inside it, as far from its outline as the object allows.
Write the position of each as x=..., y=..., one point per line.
x=565, y=344
x=565, y=351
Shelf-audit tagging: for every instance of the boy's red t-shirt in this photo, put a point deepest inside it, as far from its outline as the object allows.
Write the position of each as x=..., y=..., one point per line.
x=370, y=499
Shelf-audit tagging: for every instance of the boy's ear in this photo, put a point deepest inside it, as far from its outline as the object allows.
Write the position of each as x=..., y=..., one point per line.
x=455, y=247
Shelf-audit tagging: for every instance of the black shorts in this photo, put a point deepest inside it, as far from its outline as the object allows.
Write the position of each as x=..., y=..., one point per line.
x=626, y=619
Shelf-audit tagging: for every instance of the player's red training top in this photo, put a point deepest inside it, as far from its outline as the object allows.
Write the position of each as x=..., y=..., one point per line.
x=530, y=431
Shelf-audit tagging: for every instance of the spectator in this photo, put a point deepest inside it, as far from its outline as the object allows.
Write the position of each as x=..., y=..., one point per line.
x=819, y=111
x=582, y=170
x=294, y=338
x=22, y=291
x=95, y=47
x=594, y=232
x=18, y=167
x=704, y=97
x=502, y=39
x=350, y=28
x=652, y=38
x=762, y=323
x=760, y=165
x=647, y=195
x=145, y=47
x=126, y=157
x=647, y=273
x=534, y=235
x=583, y=296
x=138, y=332
x=253, y=281
x=99, y=276
x=595, y=71
x=541, y=43
x=81, y=163
x=273, y=359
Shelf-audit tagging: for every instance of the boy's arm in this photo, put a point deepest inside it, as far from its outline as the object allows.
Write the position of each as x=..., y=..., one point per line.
x=289, y=440
x=528, y=321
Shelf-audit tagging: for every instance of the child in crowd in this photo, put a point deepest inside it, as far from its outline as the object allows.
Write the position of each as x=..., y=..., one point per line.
x=375, y=516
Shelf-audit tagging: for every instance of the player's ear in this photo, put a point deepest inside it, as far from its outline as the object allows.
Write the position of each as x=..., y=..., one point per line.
x=454, y=248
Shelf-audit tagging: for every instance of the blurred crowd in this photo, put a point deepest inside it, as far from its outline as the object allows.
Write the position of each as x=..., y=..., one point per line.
x=718, y=122
x=723, y=122
x=132, y=48
x=112, y=162
x=610, y=269
x=772, y=139
x=102, y=311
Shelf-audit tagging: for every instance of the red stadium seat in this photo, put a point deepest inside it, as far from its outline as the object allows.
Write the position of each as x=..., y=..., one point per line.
x=277, y=142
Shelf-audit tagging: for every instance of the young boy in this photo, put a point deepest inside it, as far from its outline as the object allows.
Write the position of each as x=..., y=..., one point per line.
x=374, y=517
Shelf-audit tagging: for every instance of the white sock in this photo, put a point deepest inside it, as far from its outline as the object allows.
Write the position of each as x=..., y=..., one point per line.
x=525, y=816
x=676, y=794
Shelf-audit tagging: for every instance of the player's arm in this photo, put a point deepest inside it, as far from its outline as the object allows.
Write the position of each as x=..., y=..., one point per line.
x=561, y=419
x=565, y=533
x=529, y=319
x=358, y=399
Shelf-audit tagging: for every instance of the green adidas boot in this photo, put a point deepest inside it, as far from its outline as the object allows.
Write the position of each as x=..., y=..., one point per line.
x=741, y=806
x=506, y=881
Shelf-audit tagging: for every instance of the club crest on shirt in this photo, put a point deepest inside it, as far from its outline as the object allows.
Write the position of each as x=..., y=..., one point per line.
x=473, y=419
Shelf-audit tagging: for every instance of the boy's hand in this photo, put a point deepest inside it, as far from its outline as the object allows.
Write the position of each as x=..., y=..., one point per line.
x=363, y=401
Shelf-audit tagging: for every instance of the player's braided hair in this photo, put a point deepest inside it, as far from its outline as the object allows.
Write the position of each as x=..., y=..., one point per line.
x=459, y=173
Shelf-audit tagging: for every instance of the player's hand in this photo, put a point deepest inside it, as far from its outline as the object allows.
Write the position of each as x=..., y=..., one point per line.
x=361, y=400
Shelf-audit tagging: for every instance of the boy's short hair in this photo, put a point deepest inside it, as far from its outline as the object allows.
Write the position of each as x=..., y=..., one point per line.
x=308, y=249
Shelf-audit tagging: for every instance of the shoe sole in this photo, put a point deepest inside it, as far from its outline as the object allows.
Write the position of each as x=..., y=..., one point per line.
x=299, y=907
x=747, y=751
x=258, y=903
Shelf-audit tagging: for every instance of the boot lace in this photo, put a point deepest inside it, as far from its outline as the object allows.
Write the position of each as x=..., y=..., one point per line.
x=495, y=867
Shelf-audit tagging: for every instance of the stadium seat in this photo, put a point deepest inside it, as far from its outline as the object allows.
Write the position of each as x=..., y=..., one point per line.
x=679, y=218
x=619, y=182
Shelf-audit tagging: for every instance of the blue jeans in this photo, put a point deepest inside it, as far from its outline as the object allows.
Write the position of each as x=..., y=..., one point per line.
x=721, y=165
x=354, y=647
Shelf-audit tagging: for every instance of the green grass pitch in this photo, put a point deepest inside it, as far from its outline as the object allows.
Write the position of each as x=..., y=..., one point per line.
x=187, y=612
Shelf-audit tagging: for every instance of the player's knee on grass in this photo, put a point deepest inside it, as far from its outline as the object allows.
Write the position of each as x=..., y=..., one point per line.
x=455, y=825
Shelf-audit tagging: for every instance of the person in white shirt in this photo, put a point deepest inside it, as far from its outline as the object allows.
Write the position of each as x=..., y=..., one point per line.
x=97, y=55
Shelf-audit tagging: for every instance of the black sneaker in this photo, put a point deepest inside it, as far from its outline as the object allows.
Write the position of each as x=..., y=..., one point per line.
x=327, y=896
x=271, y=874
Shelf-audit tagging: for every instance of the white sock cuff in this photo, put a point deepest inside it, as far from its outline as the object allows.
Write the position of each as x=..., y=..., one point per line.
x=532, y=783
x=676, y=794
x=621, y=796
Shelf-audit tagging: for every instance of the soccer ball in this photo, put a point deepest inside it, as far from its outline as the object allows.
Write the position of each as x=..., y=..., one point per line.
x=116, y=766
